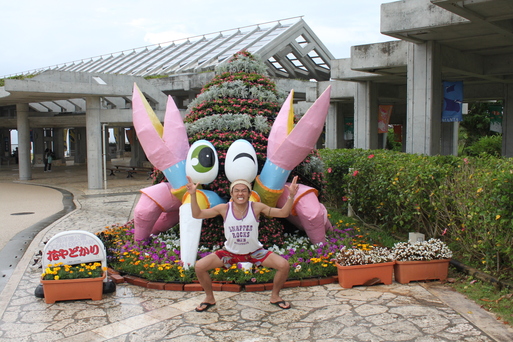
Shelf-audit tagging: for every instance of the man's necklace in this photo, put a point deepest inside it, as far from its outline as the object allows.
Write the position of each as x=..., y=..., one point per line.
x=243, y=213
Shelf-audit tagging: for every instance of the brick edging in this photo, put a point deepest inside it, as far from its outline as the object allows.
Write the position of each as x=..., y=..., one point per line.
x=218, y=286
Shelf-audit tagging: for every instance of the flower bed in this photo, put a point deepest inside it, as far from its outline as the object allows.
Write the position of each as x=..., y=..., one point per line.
x=158, y=258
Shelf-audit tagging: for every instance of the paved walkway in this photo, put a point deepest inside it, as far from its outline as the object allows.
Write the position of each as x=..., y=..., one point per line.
x=414, y=312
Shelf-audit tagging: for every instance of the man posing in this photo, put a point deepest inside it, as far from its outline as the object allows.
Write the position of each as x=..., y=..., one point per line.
x=241, y=232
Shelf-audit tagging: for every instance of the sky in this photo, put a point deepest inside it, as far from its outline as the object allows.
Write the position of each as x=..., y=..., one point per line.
x=37, y=34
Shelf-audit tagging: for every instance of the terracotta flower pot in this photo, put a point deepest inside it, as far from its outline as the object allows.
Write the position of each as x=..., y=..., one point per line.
x=406, y=271
x=73, y=289
x=349, y=276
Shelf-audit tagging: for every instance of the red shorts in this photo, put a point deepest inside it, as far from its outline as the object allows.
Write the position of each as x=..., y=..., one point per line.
x=256, y=258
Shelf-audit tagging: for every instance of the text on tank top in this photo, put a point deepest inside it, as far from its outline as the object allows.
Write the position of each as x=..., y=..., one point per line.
x=241, y=235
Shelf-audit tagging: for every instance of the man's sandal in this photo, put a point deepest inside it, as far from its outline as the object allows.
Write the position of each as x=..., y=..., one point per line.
x=281, y=304
x=204, y=306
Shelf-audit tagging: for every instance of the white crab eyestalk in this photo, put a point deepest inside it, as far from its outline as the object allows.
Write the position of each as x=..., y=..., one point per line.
x=202, y=165
x=241, y=161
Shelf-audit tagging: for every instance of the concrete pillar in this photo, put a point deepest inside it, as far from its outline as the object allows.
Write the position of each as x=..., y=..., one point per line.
x=366, y=116
x=138, y=155
x=38, y=146
x=94, y=143
x=332, y=123
x=5, y=143
x=25, y=167
x=424, y=99
x=80, y=146
x=507, y=122
x=58, y=144
x=121, y=141
x=449, y=140
x=107, y=147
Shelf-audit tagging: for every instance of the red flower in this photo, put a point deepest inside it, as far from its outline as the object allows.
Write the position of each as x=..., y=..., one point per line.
x=355, y=173
x=371, y=156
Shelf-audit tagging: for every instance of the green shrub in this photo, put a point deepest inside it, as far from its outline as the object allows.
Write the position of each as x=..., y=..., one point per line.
x=491, y=145
x=468, y=202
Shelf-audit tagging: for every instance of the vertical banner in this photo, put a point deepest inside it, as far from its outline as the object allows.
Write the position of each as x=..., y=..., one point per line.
x=385, y=111
x=453, y=100
x=495, y=114
x=398, y=133
x=348, y=128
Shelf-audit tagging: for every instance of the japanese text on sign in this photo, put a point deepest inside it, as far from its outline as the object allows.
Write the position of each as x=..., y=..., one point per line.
x=72, y=252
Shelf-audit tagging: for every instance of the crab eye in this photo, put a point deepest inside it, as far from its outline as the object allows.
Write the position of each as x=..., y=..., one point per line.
x=241, y=161
x=201, y=163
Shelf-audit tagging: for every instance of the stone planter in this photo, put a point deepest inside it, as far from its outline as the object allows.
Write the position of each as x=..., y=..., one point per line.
x=73, y=289
x=349, y=276
x=406, y=271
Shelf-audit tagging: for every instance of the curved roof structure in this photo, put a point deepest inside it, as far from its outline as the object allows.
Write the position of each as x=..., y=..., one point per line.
x=289, y=47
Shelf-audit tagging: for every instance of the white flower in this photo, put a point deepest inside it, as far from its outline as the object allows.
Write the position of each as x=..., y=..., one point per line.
x=432, y=249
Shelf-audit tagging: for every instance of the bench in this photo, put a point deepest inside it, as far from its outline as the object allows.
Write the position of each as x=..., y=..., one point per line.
x=130, y=170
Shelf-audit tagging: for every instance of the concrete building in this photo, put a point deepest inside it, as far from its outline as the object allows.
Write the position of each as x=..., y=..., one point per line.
x=437, y=40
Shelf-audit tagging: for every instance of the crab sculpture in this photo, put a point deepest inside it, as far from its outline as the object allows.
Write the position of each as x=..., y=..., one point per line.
x=164, y=205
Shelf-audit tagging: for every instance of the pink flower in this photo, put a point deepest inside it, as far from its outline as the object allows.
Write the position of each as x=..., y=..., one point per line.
x=371, y=156
x=329, y=170
x=344, y=198
x=465, y=160
x=355, y=173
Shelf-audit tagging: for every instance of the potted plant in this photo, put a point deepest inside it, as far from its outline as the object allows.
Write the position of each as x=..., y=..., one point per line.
x=421, y=260
x=73, y=282
x=364, y=267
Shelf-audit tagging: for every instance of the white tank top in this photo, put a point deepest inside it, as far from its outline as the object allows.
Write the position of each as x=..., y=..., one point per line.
x=241, y=235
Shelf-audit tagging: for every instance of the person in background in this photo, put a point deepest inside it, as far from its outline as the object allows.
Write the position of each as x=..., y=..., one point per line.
x=47, y=160
x=241, y=221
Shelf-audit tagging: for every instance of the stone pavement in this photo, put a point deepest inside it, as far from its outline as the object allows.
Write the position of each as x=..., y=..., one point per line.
x=413, y=312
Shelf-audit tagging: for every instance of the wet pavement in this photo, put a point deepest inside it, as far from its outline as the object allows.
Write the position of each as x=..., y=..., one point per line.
x=412, y=312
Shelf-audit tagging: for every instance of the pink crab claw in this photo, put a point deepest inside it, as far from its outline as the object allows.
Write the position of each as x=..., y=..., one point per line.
x=165, y=146
x=288, y=146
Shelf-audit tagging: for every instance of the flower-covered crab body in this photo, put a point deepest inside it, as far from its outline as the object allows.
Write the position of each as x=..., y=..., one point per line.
x=164, y=205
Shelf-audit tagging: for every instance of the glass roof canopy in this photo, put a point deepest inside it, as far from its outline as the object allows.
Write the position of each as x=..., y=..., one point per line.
x=289, y=48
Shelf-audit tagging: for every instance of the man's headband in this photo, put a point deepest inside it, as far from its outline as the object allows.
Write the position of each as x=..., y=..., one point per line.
x=240, y=181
